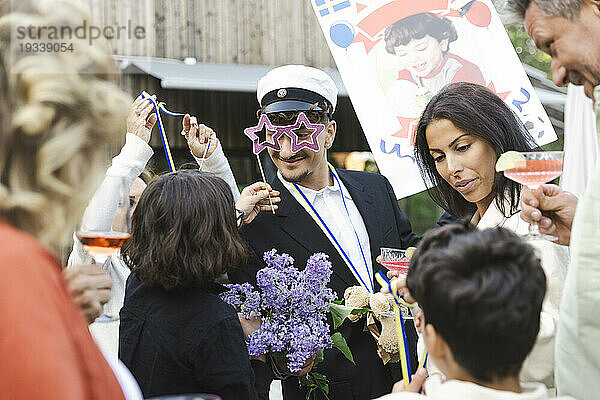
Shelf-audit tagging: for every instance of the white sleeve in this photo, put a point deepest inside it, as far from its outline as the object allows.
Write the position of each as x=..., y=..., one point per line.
x=132, y=159
x=99, y=213
x=217, y=164
x=539, y=364
x=78, y=254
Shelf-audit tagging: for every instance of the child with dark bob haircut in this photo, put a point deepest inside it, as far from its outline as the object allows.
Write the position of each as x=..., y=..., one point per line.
x=481, y=293
x=176, y=335
x=421, y=44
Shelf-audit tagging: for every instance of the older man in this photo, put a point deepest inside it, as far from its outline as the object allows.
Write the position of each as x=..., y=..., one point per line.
x=566, y=30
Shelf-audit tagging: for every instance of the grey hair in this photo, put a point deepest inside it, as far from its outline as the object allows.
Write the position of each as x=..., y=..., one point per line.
x=568, y=9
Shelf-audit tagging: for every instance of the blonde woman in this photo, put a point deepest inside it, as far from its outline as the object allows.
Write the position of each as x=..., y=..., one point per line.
x=58, y=111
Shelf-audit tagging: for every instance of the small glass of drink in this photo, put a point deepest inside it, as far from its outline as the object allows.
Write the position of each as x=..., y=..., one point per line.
x=394, y=260
x=540, y=167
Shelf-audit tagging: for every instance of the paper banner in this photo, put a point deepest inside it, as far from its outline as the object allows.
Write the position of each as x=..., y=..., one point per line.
x=389, y=91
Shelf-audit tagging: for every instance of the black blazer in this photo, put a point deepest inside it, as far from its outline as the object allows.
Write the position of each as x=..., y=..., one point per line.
x=292, y=230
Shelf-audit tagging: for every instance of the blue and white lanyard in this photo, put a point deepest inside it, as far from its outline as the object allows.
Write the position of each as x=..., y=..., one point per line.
x=370, y=287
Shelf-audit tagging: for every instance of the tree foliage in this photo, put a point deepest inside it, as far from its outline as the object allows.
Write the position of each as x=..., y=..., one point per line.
x=526, y=50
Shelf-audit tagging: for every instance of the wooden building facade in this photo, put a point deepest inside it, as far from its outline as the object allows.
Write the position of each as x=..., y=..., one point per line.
x=242, y=32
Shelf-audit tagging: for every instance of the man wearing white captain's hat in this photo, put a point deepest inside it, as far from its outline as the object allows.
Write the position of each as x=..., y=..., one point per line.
x=359, y=208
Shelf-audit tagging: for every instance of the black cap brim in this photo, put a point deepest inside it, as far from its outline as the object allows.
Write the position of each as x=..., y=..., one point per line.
x=290, y=105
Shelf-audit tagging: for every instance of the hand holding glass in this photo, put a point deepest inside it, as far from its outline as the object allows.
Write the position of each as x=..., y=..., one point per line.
x=102, y=238
x=540, y=167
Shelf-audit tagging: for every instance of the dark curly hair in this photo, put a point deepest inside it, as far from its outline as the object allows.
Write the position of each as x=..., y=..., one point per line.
x=482, y=290
x=475, y=110
x=418, y=26
x=184, y=231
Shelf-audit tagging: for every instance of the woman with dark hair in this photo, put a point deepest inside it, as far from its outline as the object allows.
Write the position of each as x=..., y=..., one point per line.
x=461, y=134
x=176, y=335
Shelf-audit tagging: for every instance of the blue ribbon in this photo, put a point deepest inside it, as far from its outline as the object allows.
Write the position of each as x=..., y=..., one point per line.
x=381, y=278
x=158, y=107
x=371, y=287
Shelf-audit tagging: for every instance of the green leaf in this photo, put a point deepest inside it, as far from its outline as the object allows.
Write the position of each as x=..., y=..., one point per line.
x=340, y=343
x=339, y=302
x=319, y=358
x=309, y=392
x=307, y=381
x=321, y=381
x=340, y=313
x=313, y=381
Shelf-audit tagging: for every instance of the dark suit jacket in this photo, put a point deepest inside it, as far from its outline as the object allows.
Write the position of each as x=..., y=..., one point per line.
x=292, y=230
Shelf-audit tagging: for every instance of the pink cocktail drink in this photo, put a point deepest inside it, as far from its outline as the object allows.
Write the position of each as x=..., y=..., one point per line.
x=536, y=172
x=533, y=169
x=394, y=260
x=400, y=266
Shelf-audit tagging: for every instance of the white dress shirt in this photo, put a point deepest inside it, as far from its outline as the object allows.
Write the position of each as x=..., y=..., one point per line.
x=455, y=389
x=345, y=226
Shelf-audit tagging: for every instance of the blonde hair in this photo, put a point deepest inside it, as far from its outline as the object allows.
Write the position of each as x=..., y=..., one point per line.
x=58, y=113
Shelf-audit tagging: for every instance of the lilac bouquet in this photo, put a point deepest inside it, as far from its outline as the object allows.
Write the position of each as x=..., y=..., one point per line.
x=292, y=304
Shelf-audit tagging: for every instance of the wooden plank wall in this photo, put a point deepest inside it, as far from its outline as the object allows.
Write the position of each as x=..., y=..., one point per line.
x=262, y=32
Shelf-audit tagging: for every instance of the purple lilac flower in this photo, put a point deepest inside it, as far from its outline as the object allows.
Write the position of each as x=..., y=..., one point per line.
x=293, y=305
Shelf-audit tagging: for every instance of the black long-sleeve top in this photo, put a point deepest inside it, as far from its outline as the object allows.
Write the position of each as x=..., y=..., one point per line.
x=187, y=341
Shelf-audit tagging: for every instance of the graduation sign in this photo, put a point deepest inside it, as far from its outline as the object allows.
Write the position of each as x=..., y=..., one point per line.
x=395, y=55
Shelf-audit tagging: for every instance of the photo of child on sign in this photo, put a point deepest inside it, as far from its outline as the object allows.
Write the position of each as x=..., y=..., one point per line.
x=421, y=44
x=394, y=56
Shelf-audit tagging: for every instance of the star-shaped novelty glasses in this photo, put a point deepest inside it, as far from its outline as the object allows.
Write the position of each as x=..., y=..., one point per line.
x=295, y=132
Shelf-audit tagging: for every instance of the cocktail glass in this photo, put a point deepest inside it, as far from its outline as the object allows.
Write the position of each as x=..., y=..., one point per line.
x=394, y=260
x=540, y=167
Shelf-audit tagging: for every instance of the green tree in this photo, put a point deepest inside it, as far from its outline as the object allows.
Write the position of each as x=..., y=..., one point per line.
x=526, y=50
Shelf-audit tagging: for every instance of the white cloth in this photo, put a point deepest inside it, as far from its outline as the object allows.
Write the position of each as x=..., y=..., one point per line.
x=328, y=203
x=581, y=143
x=299, y=77
x=577, y=344
x=99, y=214
x=455, y=390
x=129, y=386
x=539, y=364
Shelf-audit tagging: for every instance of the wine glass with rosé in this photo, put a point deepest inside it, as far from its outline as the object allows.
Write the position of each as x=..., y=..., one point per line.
x=102, y=235
x=533, y=169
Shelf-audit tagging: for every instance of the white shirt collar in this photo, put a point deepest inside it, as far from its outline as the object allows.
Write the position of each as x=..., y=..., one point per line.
x=494, y=217
x=311, y=194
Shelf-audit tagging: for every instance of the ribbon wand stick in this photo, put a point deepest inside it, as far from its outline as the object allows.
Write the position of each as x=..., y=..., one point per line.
x=158, y=108
x=262, y=172
x=258, y=146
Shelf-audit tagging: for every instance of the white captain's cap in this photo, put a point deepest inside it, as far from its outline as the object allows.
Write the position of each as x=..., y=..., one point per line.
x=296, y=88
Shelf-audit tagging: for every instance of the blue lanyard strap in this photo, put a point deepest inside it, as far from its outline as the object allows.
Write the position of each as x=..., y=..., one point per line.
x=324, y=226
x=362, y=253
x=158, y=107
